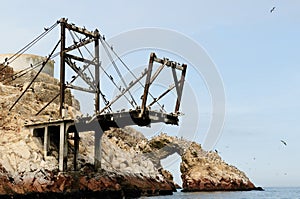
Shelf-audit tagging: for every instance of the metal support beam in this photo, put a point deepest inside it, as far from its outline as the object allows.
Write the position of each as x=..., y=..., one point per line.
x=123, y=92
x=80, y=59
x=97, y=70
x=147, y=84
x=80, y=88
x=76, y=149
x=46, y=141
x=78, y=45
x=62, y=65
x=168, y=63
x=156, y=73
x=181, y=83
x=162, y=95
x=81, y=30
x=63, y=147
x=176, y=82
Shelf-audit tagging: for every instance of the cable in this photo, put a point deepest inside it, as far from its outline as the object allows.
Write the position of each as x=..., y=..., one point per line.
x=28, y=46
x=119, y=73
x=119, y=58
x=28, y=86
x=27, y=70
x=109, y=76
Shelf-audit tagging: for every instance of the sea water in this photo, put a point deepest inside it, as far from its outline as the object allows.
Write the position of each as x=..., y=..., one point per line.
x=269, y=193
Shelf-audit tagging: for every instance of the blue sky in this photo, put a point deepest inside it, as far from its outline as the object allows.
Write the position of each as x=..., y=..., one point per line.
x=255, y=51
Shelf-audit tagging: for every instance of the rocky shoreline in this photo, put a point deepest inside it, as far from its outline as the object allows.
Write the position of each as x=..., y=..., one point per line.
x=130, y=163
x=83, y=184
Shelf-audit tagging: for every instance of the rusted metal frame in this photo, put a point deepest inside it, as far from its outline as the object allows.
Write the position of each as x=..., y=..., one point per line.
x=162, y=95
x=81, y=89
x=76, y=149
x=81, y=74
x=37, y=74
x=147, y=84
x=80, y=59
x=168, y=63
x=157, y=73
x=120, y=95
x=176, y=82
x=63, y=23
x=59, y=93
x=181, y=83
x=78, y=45
x=80, y=30
x=119, y=73
x=97, y=72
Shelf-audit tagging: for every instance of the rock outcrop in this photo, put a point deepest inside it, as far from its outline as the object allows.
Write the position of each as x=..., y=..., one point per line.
x=201, y=170
x=130, y=163
x=24, y=170
x=206, y=171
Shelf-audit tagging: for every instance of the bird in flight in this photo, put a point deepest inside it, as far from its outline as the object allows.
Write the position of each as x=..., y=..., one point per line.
x=283, y=142
x=272, y=10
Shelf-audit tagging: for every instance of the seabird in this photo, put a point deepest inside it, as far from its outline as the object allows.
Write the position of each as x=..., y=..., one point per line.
x=46, y=29
x=283, y=142
x=272, y=10
x=103, y=37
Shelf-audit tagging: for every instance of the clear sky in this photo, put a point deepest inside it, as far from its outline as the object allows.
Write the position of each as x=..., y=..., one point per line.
x=255, y=51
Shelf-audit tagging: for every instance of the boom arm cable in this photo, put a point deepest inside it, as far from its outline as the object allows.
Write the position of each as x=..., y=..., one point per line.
x=28, y=46
x=28, y=86
x=119, y=58
x=118, y=72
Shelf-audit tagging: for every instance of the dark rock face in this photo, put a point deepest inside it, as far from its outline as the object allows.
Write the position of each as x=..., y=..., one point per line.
x=48, y=184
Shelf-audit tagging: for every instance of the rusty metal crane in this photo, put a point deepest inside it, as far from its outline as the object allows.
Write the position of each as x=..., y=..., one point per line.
x=140, y=114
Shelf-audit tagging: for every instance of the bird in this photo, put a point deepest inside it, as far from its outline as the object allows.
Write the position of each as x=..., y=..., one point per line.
x=46, y=29
x=283, y=142
x=103, y=37
x=272, y=10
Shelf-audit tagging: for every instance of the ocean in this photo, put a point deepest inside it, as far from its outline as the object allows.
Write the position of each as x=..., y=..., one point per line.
x=269, y=193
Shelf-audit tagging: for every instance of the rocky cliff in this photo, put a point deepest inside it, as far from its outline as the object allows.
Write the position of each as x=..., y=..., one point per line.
x=24, y=170
x=130, y=162
x=200, y=170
